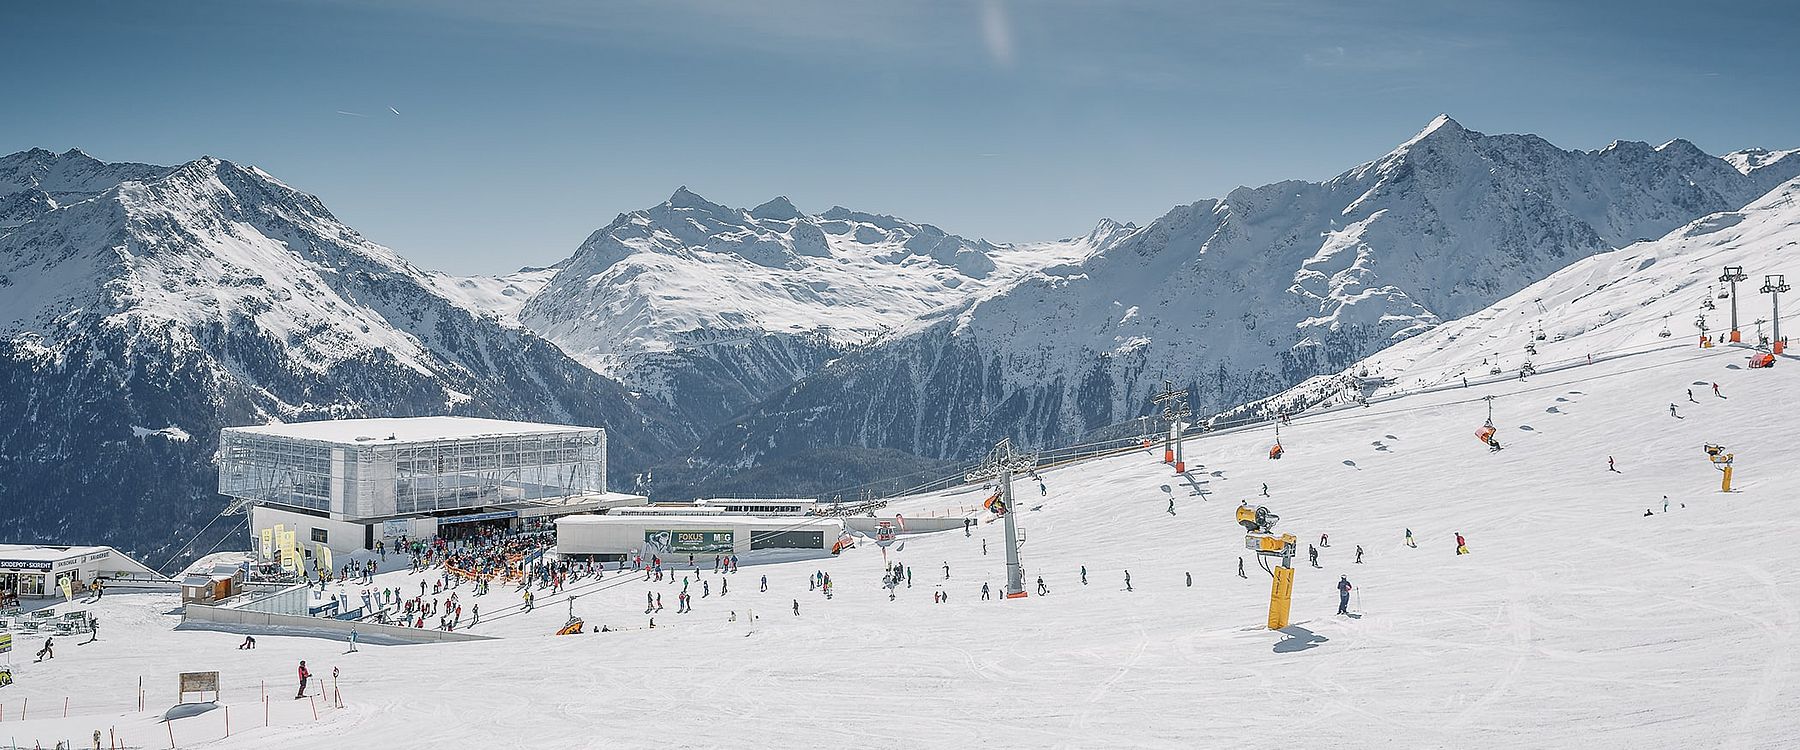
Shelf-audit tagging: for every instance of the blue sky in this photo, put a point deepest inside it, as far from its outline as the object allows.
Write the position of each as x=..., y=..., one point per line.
x=525, y=125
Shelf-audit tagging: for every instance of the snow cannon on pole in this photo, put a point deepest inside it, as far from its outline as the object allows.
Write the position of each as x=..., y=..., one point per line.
x=1721, y=461
x=1001, y=463
x=1276, y=450
x=1262, y=541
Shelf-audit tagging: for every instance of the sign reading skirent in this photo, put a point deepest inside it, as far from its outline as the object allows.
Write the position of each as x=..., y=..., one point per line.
x=5, y=642
x=665, y=542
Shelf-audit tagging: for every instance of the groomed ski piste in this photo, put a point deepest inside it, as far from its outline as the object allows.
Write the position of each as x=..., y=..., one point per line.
x=1575, y=619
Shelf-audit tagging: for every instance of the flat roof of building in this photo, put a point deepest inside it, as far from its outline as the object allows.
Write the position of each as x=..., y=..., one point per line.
x=47, y=556
x=698, y=521
x=392, y=430
x=756, y=501
x=45, y=553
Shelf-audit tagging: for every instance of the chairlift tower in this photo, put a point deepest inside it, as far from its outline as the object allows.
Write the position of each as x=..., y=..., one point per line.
x=1001, y=464
x=1733, y=275
x=1773, y=285
x=1174, y=404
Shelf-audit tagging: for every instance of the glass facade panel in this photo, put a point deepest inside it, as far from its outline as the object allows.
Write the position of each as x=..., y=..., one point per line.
x=385, y=479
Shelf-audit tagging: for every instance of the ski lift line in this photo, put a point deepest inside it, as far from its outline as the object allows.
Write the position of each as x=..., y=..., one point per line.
x=193, y=539
x=1250, y=422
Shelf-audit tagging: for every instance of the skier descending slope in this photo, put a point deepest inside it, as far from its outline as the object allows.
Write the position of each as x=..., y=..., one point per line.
x=1462, y=545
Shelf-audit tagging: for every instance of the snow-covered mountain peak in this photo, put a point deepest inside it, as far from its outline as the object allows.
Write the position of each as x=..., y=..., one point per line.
x=1750, y=160
x=69, y=176
x=685, y=198
x=1441, y=129
x=689, y=270
x=778, y=208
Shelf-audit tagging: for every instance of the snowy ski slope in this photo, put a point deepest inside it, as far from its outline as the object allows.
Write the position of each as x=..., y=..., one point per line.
x=1576, y=619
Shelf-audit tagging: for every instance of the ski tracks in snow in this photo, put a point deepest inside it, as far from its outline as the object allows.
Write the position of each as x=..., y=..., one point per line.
x=1099, y=693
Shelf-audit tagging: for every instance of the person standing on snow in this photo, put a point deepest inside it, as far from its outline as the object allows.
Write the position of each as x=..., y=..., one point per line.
x=1462, y=545
x=1610, y=465
x=1409, y=540
x=1343, y=587
x=1241, y=567
x=303, y=676
x=1042, y=590
x=1672, y=411
x=1127, y=580
x=1716, y=390
x=946, y=570
x=765, y=583
x=1084, y=575
x=984, y=590
x=1190, y=578
x=1171, y=506
x=1358, y=554
x=1312, y=555
x=1265, y=490
x=796, y=607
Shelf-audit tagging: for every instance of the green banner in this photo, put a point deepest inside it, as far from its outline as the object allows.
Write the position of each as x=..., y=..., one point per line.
x=5, y=642
x=689, y=542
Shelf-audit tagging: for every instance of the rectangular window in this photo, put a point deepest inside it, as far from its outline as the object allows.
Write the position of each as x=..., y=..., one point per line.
x=318, y=535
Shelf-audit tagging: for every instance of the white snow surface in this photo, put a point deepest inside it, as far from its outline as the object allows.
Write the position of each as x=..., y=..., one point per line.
x=1576, y=620
x=499, y=296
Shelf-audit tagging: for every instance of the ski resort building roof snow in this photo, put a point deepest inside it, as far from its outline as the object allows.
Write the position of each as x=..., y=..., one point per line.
x=391, y=430
x=350, y=482
x=33, y=570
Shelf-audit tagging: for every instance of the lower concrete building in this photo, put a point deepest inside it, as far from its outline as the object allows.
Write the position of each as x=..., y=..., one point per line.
x=618, y=537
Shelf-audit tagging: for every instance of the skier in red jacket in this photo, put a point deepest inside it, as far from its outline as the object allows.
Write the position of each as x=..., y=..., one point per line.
x=303, y=675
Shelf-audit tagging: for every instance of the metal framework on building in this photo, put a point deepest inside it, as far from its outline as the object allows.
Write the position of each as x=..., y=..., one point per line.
x=368, y=478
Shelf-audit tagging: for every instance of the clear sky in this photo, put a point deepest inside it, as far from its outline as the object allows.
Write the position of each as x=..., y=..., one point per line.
x=524, y=125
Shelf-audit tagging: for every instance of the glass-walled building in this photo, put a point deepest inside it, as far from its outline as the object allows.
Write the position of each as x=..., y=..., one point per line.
x=382, y=473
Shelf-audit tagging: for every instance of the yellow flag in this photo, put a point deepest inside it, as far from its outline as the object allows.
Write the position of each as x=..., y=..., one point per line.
x=268, y=544
x=68, y=587
x=324, y=557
